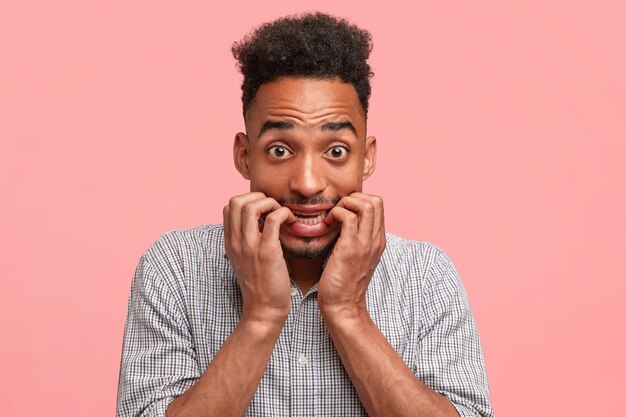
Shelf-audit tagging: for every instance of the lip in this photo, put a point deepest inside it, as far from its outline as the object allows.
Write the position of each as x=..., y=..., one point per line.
x=309, y=230
x=309, y=209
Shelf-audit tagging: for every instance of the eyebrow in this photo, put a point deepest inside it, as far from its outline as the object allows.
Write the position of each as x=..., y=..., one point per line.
x=275, y=125
x=335, y=126
x=284, y=125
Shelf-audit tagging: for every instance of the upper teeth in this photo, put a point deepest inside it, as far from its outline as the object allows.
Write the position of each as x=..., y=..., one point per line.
x=311, y=218
x=297, y=213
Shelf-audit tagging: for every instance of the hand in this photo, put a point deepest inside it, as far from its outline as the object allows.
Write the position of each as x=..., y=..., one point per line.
x=355, y=256
x=256, y=256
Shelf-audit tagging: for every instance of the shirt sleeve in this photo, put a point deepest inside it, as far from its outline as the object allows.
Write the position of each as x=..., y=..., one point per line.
x=450, y=359
x=158, y=359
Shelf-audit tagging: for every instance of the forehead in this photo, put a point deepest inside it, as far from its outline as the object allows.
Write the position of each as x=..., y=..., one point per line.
x=305, y=102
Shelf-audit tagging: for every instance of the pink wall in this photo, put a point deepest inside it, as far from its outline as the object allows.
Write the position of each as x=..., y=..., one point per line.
x=502, y=130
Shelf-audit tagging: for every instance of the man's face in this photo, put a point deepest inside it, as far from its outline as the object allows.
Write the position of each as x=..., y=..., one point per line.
x=306, y=147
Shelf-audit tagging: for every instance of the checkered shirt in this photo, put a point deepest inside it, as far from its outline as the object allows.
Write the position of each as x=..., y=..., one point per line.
x=185, y=302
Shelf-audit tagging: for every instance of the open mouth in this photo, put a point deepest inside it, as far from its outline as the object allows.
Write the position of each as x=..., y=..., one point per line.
x=310, y=218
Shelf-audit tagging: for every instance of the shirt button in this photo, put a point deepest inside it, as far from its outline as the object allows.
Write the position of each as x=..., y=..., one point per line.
x=294, y=291
x=302, y=360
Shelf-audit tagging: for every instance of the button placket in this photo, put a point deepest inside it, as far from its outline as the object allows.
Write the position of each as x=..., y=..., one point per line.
x=303, y=383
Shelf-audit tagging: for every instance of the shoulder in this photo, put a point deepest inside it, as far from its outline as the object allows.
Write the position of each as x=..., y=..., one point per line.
x=179, y=260
x=415, y=255
x=177, y=254
x=416, y=265
x=188, y=243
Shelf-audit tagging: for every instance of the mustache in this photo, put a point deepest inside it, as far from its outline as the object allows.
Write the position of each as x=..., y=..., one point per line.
x=313, y=201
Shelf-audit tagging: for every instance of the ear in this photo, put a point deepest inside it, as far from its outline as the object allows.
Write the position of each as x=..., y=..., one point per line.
x=369, y=162
x=241, y=153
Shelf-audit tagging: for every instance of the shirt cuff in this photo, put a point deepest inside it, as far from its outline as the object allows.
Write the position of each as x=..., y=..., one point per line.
x=157, y=408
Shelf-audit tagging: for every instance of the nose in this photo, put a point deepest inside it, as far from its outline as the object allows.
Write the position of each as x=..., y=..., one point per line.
x=307, y=179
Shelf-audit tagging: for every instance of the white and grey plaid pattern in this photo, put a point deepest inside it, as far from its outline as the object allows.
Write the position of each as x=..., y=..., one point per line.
x=185, y=301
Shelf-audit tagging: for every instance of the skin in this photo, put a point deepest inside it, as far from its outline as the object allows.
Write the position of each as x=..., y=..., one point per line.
x=308, y=170
x=306, y=145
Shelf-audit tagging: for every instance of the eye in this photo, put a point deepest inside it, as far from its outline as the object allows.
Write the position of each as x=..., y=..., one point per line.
x=278, y=151
x=337, y=152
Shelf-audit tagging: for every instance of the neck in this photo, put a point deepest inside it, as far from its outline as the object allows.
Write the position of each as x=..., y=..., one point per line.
x=305, y=272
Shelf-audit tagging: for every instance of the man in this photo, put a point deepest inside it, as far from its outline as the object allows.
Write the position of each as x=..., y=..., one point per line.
x=301, y=304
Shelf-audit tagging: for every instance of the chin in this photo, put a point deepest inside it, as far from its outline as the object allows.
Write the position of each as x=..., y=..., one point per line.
x=308, y=248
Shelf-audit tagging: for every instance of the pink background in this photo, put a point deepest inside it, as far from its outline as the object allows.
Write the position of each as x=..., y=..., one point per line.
x=501, y=126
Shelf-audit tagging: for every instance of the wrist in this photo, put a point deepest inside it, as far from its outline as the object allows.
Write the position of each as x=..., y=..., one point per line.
x=265, y=317
x=260, y=331
x=344, y=313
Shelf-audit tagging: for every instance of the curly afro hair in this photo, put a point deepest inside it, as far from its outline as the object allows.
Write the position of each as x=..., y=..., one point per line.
x=313, y=45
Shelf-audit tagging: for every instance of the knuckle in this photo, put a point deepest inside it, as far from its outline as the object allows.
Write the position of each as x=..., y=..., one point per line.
x=247, y=210
x=276, y=215
x=233, y=201
x=238, y=201
x=234, y=207
x=368, y=207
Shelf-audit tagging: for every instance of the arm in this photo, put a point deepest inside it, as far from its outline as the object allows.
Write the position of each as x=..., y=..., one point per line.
x=158, y=362
x=450, y=358
x=158, y=351
x=386, y=386
x=227, y=386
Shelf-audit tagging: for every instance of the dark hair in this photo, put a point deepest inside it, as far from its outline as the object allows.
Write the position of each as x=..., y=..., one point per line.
x=313, y=45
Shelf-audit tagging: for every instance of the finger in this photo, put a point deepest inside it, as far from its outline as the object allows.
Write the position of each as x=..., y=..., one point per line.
x=379, y=213
x=349, y=221
x=252, y=211
x=273, y=221
x=364, y=211
x=235, y=206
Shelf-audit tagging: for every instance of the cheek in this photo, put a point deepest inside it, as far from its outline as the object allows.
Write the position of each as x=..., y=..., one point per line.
x=347, y=181
x=272, y=182
x=260, y=172
x=266, y=184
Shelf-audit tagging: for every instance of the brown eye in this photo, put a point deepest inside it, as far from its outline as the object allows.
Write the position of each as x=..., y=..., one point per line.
x=337, y=152
x=278, y=151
